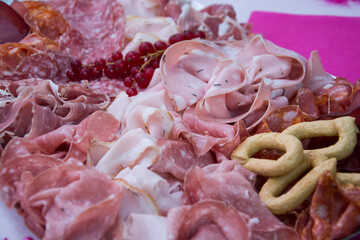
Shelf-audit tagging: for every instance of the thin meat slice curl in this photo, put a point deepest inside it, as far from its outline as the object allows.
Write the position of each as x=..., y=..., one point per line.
x=207, y=220
x=228, y=85
x=333, y=213
x=33, y=107
x=70, y=202
x=206, y=135
x=231, y=183
x=97, y=28
x=177, y=157
x=68, y=143
x=258, y=81
x=153, y=184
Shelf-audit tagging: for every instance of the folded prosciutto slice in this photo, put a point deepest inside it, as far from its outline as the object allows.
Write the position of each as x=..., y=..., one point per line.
x=70, y=202
x=208, y=220
x=32, y=107
x=232, y=184
x=207, y=135
x=67, y=144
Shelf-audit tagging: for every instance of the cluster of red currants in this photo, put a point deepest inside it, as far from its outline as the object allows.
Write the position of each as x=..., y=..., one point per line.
x=136, y=68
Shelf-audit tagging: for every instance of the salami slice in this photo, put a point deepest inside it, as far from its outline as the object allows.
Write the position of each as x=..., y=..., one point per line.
x=97, y=28
x=107, y=86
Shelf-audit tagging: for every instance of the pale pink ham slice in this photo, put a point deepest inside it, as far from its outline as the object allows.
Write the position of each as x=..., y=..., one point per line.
x=184, y=80
x=161, y=27
x=156, y=122
x=118, y=107
x=135, y=200
x=263, y=58
x=123, y=106
x=246, y=84
x=157, y=187
x=147, y=111
x=316, y=78
x=145, y=226
x=136, y=207
x=132, y=148
x=144, y=8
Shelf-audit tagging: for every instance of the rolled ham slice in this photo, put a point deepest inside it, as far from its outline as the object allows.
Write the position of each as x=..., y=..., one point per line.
x=233, y=81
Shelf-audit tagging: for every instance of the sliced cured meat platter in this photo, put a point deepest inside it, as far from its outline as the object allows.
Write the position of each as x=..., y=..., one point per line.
x=173, y=120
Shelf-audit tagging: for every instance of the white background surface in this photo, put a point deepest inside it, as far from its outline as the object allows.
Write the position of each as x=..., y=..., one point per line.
x=12, y=226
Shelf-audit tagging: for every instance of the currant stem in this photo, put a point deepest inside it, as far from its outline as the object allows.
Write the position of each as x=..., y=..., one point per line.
x=151, y=56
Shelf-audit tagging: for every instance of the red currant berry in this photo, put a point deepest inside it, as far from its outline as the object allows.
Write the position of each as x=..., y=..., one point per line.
x=129, y=81
x=145, y=48
x=178, y=37
x=73, y=76
x=131, y=92
x=100, y=63
x=85, y=73
x=76, y=65
x=188, y=34
x=149, y=72
x=160, y=45
x=134, y=70
x=141, y=80
x=133, y=58
x=110, y=71
x=199, y=34
x=96, y=72
x=121, y=63
x=140, y=77
x=117, y=55
x=110, y=60
x=121, y=67
x=155, y=63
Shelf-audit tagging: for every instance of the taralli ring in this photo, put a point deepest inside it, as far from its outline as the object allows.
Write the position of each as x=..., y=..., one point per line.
x=348, y=178
x=296, y=161
x=270, y=193
x=287, y=162
x=343, y=127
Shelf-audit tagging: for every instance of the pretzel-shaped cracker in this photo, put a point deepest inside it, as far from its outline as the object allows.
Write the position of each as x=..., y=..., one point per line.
x=279, y=203
x=271, y=168
x=315, y=161
x=271, y=191
x=348, y=178
x=343, y=127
